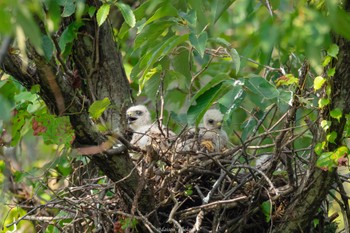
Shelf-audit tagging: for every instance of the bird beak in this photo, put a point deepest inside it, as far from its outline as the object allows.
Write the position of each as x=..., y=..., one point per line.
x=219, y=124
x=130, y=118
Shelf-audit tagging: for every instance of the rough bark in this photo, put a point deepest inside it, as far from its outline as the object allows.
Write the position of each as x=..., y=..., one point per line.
x=309, y=196
x=97, y=64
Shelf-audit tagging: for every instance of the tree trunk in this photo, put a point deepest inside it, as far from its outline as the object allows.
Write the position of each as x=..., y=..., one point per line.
x=309, y=196
x=95, y=63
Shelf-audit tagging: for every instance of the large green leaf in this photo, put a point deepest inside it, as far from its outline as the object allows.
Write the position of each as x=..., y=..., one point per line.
x=214, y=82
x=98, y=107
x=236, y=60
x=204, y=101
x=102, y=13
x=68, y=36
x=48, y=47
x=262, y=87
x=220, y=7
x=30, y=28
x=165, y=10
x=127, y=13
x=5, y=21
x=68, y=8
x=157, y=53
x=151, y=32
x=199, y=42
x=232, y=99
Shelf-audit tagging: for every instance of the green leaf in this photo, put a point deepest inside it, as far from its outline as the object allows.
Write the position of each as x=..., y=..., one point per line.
x=151, y=32
x=331, y=137
x=221, y=41
x=333, y=50
x=325, y=161
x=5, y=21
x=262, y=87
x=48, y=47
x=232, y=99
x=191, y=18
x=339, y=152
x=216, y=80
x=236, y=60
x=64, y=167
x=247, y=127
x=286, y=80
x=331, y=72
x=266, y=208
x=30, y=28
x=221, y=6
x=91, y=11
x=318, y=82
x=166, y=10
x=326, y=61
x=319, y=148
x=199, y=42
x=336, y=113
x=127, y=13
x=68, y=36
x=157, y=53
x=204, y=101
x=98, y=107
x=323, y=102
x=68, y=9
x=325, y=125
x=102, y=13
x=148, y=76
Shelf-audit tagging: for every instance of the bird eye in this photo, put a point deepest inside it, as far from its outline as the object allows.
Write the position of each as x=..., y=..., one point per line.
x=139, y=113
x=211, y=121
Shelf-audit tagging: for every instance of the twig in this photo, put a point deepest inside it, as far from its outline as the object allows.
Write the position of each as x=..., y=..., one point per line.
x=211, y=206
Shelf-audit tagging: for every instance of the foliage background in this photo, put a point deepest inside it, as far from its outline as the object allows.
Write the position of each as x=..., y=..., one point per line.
x=181, y=58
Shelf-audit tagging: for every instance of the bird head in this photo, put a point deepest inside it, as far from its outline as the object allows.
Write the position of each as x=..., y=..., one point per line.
x=213, y=119
x=138, y=116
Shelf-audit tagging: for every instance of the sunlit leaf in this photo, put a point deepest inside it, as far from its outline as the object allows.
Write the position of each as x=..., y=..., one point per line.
x=325, y=124
x=318, y=148
x=318, y=82
x=98, y=107
x=127, y=13
x=102, y=13
x=323, y=102
x=326, y=61
x=286, y=80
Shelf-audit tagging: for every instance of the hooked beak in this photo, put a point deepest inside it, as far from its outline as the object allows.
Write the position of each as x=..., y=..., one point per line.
x=219, y=124
x=131, y=119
